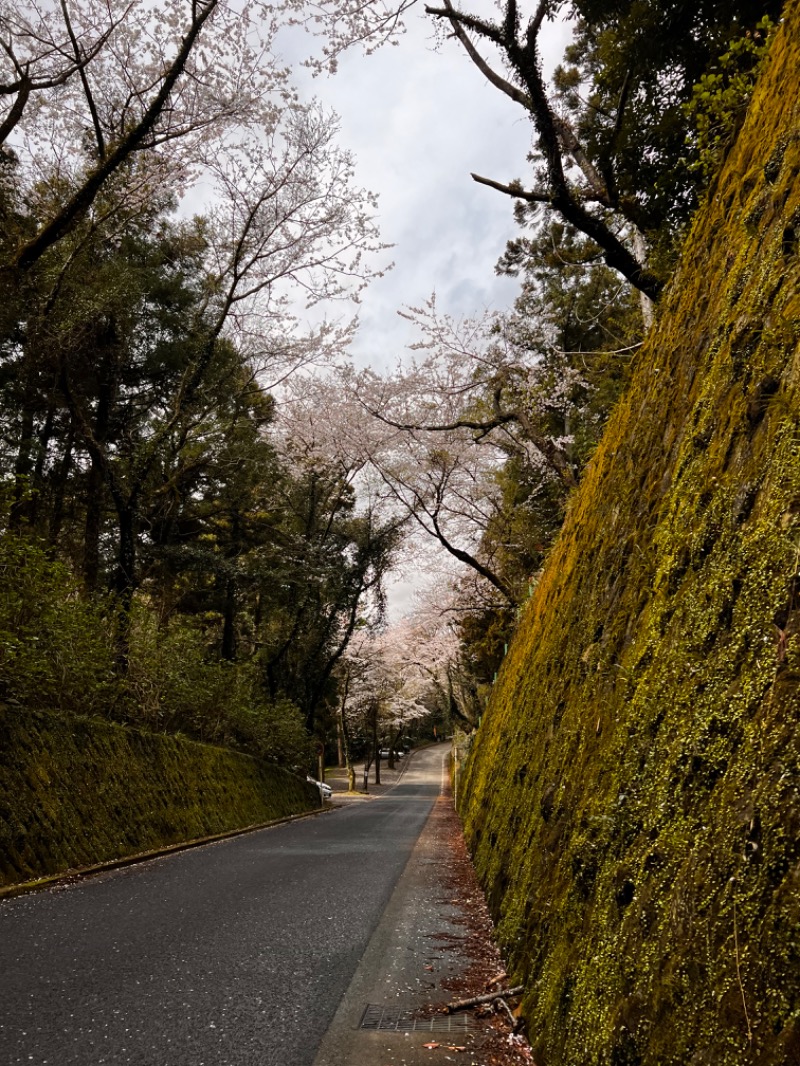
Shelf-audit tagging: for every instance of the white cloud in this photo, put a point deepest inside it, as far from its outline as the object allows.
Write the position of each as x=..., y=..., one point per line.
x=419, y=121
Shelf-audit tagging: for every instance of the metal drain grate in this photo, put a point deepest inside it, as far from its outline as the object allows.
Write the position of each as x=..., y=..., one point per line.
x=376, y=1017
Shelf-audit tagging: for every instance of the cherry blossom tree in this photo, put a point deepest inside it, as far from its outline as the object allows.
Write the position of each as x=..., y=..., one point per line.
x=140, y=97
x=383, y=687
x=439, y=430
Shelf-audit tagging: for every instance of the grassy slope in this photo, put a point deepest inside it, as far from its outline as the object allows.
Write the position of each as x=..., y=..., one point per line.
x=75, y=792
x=632, y=797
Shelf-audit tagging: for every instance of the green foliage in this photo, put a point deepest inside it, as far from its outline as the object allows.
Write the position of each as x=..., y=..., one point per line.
x=176, y=684
x=57, y=653
x=626, y=83
x=719, y=100
x=632, y=794
x=55, y=649
x=221, y=579
x=273, y=731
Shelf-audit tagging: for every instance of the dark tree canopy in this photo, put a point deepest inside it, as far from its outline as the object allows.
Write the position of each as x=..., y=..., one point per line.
x=640, y=62
x=612, y=157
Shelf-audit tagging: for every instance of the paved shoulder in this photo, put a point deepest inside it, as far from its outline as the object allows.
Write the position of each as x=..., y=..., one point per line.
x=432, y=943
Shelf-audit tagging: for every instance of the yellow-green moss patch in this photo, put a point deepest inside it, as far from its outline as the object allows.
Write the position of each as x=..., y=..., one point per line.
x=78, y=791
x=633, y=795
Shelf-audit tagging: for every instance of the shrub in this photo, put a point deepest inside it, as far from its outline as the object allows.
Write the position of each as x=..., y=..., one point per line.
x=55, y=648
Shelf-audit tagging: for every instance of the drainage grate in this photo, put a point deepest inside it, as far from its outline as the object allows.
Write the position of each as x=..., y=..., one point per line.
x=376, y=1017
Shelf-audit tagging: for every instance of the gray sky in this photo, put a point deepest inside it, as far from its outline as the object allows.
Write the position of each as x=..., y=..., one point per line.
x=419, y=122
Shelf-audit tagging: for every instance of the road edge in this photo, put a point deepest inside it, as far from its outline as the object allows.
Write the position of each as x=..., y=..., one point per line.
x=81, y=873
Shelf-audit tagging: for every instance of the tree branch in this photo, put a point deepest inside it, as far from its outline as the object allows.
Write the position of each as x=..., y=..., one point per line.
x=555, y=136
x=15, y=114
x=514, y=189
x=461, y=18
x=573, y=147
x=87, y=91
x=471, y=561
x=535, y=24
x=26, y=83
x=491, y=75
x=85, y=196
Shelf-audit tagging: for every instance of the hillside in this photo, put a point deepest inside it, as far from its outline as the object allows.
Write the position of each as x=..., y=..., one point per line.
x=75, y=792
x=631, y=798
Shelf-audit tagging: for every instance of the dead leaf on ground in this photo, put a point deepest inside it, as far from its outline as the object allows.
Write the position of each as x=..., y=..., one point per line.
x=432, y=1045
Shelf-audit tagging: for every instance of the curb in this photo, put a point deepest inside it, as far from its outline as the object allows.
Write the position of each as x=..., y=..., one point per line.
x=81, y=872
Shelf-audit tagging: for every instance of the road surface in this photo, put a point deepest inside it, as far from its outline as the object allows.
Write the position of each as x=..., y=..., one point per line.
x=232, y=954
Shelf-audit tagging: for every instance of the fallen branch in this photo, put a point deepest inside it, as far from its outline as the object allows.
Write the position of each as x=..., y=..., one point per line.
x=490, y=997
x=512, y=1021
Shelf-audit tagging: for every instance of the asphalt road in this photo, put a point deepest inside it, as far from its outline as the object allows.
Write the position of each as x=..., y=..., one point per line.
x=232, y=954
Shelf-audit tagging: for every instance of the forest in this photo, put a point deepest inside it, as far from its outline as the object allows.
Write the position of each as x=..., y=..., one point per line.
x=202, y=497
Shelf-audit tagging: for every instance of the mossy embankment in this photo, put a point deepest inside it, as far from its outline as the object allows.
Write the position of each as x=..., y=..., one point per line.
x=79, y=791
x=632, y=798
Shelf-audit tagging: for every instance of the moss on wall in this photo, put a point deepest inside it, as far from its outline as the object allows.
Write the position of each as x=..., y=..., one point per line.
x=77, y=791
x=632, y=798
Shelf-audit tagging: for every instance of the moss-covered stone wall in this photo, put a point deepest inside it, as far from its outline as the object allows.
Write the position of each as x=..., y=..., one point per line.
x=75, y=792
x=632, y=798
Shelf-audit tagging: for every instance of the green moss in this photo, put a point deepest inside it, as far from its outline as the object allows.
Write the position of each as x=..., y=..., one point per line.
x=632, y=797
x=77, y=791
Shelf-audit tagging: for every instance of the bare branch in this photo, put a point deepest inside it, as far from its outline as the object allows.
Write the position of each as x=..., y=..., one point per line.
x=80, y=65
x=514, y=189
x=461, y=18
x=491, y=75
x=27, y=83
x=535, y=24
x=555, y=136
x=82, y=200
x=483, y=427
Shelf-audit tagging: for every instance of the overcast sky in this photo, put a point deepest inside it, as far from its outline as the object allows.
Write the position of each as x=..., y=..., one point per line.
x=419, y=122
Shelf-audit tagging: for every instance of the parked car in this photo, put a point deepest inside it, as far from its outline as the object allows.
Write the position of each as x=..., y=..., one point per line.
x=325, y=791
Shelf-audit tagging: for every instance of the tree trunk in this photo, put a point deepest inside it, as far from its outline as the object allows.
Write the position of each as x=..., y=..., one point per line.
x=22, y=470
x=99, y=474
x=125, y=580
x=60, y=489
x=344, y=741
x=343, y=736
x=95, y=491
x=340, y=759
x=45, y=436
x=229, y=624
